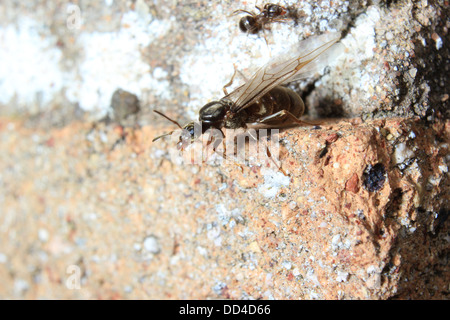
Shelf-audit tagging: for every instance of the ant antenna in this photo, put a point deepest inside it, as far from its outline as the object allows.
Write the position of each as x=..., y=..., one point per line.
x=163, y=135
x=171, y=120
x=242, y=11
x=163, y=115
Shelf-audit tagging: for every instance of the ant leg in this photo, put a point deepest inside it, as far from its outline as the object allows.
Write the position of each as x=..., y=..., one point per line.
x=267, y=42
x=211, y=140
x=269, y=155
x=243, y=76
x=224, y=155
x=283, y=115
x=215, y=140
x=230, y=82
x=279, y=20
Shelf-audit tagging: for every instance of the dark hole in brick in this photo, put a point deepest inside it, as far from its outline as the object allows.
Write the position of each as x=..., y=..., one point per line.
x=442, y=217
x=374, y=177
x=395, y=202
x=323, y=152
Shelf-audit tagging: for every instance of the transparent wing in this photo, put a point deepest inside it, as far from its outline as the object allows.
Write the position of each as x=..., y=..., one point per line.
x=306, y=58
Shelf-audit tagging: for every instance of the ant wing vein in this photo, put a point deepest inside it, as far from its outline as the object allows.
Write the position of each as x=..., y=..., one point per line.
x=307, y=58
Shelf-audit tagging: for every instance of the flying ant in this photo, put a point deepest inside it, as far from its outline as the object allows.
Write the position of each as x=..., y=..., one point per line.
x=262, y=102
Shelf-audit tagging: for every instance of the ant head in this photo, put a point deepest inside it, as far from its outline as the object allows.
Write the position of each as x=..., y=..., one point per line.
x=190, y=132
x=188, y=135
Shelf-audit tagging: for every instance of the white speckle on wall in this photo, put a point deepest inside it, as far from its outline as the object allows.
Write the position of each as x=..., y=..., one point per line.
x=439, y=43
x=29, y=61
x=273, y=181
x=359, y=47
x=113, y=60
x=30, y=69
x=151, y=245
x=402, y=153
x=361, y=40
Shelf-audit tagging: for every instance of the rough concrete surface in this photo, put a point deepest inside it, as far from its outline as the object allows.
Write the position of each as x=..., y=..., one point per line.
x=91, y=208
x=139, y=226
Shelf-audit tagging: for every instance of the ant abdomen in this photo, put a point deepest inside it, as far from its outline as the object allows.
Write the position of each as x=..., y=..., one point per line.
x=250, y=25
x=276, y=100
